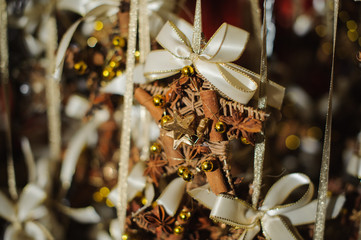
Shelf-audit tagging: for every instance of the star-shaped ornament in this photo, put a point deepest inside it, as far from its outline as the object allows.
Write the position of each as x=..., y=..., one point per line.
x=176, y=142
x=180, y=126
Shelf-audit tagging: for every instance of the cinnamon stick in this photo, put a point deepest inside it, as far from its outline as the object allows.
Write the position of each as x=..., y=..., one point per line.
x=147, y=101
x=211, y=110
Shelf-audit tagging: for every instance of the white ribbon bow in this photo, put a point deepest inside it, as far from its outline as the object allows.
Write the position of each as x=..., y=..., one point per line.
x=24, y=214
x=170, y=198
x=273, y=212
x=213, y=62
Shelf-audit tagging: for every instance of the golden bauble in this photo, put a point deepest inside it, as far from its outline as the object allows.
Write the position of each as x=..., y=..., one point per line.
x=220, y=127
x=178, y=230
x=118, y=41
x=155, y=148
x=182, y=170
x=184, y=215
x=187, y=176
x=159, y=100
x=207, y=166
x=187, y=71
x=81, y=67
x=165, y=119
x=245, y=141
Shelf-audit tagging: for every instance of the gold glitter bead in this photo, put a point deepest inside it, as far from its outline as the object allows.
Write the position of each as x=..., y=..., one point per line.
x=118, y=41
x=159, y=100
x=187, y=71
x=220, y=127
x=108, y=72
x=245, y=141
x=182, y=170
x=81, y=67
x=207, y=166
x=155, y=148
x=184, y=215
x=178, y=230
x=125, y=236
x=165, y=119
x=187, y=176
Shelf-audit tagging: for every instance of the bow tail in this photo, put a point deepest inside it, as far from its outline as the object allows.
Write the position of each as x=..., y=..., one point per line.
x=172, y=196
x=231, y=82
x=307, y=214
x=274, y=227
x=249, y=234
x=275, y=92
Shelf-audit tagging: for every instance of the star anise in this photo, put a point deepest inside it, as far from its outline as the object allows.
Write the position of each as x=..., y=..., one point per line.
x=247, y=126
x=155, y=168
x=159, y=219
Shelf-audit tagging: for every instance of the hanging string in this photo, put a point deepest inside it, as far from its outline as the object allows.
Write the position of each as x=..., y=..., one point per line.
x=256, y=19
x=127, y=110
x=4, y=71
x=144, y=49
x=260, y=147
x=197, y=28
x=325, y=163
x=52, y=91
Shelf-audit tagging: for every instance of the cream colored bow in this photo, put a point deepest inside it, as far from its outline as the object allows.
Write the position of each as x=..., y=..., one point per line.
x=213, y=62
x=271, y=216
x=23, y=215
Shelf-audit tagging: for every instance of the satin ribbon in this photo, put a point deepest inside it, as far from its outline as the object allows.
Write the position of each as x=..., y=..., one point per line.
x=271, y=214
x=81, y=138
x=25, y=213
x=325, y=162
x=137, y=183
x=213, y=62
x=170, y=198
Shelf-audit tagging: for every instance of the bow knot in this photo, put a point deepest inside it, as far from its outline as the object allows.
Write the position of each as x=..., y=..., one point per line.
x=193, y=57
x=268, y=217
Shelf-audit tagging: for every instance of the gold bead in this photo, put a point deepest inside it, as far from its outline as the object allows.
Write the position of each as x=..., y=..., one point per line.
x=207, y=166
x=118, y=41
x=220, y=127
x=125, y=236
x=144, y=200
x=81, y=67
x=159, y=100
x=178, y=230
x=245, y=141
x=187, y=71
x=187, y=176
x=155, y=148
x=108, y=72
x=184, y=215
x=165, y=119
x=182, y=170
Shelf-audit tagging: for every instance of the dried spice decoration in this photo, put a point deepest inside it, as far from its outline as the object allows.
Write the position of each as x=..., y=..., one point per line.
x=247, y=126
x=159, y=220
x=155, y=168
